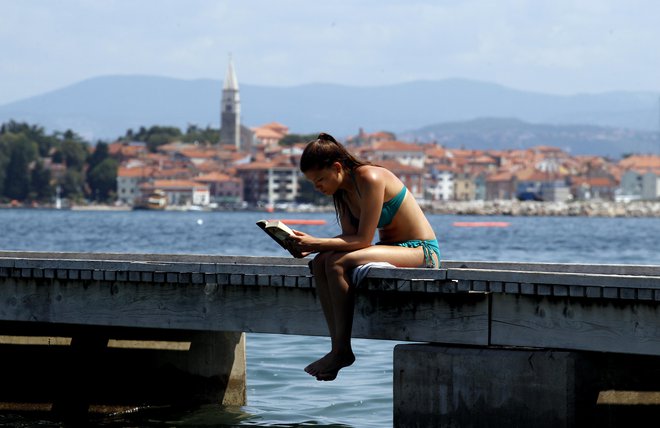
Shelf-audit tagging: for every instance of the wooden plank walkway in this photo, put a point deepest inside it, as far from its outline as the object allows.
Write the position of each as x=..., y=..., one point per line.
x=611, y=308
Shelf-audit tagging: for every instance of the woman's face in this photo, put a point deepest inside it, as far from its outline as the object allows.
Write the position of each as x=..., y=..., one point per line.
x=326, y=180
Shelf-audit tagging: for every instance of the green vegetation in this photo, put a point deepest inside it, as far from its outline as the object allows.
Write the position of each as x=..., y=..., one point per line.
x=34, y=164
x=157, y=136
x=154, y=137
x=291, y=139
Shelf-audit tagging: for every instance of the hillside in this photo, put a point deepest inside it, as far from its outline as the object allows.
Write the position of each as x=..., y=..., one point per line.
x=105, y=107
x=499, y=134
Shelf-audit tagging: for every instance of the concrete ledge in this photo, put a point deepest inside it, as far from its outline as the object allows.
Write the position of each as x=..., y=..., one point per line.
x=470, y=387
x=438, y=385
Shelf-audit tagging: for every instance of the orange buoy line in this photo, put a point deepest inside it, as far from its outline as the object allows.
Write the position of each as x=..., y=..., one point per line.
x=481, y=224
x=303, y=221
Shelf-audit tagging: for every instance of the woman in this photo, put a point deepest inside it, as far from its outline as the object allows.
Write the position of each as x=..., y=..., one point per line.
x=366, y=197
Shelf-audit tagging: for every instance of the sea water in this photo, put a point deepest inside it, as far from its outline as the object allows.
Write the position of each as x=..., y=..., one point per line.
x=280, y=393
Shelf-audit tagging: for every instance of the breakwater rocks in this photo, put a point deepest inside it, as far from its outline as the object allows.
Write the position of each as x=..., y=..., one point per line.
x=534, y=208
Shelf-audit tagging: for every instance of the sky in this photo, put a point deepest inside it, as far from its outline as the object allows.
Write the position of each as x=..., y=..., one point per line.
x=549, y=46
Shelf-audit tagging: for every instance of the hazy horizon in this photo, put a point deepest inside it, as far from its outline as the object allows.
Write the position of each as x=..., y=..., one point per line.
x=557, y=48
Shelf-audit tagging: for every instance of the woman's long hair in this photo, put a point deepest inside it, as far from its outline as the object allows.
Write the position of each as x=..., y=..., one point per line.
x=322, y=153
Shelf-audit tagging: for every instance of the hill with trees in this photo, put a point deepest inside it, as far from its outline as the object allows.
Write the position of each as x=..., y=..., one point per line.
x=105, y=107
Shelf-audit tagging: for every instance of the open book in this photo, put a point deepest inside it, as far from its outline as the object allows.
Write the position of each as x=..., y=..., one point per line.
x=279, y=232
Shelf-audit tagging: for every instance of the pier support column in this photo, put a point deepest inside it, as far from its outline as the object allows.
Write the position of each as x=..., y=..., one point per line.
x=98, y=370
x=212, y=370
x=220, y=357
x=470, y=387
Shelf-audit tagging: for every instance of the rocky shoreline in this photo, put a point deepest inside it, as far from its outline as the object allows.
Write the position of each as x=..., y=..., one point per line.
x=535, y=208
x=477, y=208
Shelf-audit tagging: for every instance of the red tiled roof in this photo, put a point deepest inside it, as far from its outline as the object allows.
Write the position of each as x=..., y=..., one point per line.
x=500, y=176
x=594, y=181
x=214, y=177
x=398, y=146
x=209, y=166
x=198, y=153
x=532, y=174
x=436, y=152
x=255, y=166
x=547, y=149
x=267, y=133
x=276, y=126
x=172, y=172
x=142, y=171
x=641, y=163
x=483, y=159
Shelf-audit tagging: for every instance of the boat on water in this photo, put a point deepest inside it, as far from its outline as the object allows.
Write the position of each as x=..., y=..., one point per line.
x=156, y=200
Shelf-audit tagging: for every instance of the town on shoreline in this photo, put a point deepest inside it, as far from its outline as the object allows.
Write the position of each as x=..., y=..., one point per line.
x=236, y=167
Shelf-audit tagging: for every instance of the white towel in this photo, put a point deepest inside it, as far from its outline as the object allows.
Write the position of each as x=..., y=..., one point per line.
x=361, y=271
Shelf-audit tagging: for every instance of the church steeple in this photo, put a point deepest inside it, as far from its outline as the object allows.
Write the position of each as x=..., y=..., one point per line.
x=230, y=109
x=231, y=82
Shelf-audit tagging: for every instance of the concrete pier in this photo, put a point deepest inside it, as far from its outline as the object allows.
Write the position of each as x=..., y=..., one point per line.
x=523, y=344
x=450, y=386
x=436, y=386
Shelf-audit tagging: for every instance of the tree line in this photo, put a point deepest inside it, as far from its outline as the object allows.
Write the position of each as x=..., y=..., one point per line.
x=35, y=166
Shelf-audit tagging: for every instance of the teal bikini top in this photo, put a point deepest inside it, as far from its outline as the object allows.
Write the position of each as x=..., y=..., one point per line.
x=389, y=209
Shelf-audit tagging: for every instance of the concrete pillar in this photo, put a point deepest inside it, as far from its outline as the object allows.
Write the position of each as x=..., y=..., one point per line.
x=220, y=358
x=212, y=370
x=437, y=386
x=106, y=370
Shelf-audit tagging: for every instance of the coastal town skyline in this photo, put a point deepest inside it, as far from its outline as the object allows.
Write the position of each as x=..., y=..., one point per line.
x=241, y=167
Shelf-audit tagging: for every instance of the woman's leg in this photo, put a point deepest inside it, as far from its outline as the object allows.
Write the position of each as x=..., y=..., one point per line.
x=320, y=279
x=339, y=295
x=338, y=300
x=339, y=312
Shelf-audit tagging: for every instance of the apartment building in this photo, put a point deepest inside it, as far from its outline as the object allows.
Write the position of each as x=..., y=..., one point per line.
x=269, y=182
x=129, y=181
x=223, y=188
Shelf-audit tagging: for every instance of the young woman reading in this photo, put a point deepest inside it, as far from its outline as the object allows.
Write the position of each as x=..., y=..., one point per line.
x=367, y=198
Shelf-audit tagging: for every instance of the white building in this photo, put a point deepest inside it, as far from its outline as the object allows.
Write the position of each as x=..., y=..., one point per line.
x=180, y=192
x=639, y=185
x=404, y=153
x=441, y=184
x=129, y=181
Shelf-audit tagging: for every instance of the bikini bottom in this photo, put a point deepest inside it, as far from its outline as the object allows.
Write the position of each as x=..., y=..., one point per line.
x=430, y=247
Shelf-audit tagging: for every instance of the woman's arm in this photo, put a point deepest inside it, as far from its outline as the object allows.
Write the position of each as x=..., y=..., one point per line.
x=372, y=189
x=311, y=244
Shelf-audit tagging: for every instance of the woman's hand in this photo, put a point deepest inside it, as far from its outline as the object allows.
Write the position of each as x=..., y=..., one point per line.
x=304, y=242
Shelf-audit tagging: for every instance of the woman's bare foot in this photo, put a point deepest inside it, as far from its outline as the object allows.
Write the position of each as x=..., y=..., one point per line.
x=327, y=367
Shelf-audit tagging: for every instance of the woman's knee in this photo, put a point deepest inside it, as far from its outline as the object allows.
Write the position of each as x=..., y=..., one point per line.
x=334, y=263
x=318, y=263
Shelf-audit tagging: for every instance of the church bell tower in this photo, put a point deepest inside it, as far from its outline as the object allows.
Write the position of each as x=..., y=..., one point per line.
x=230, y=110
